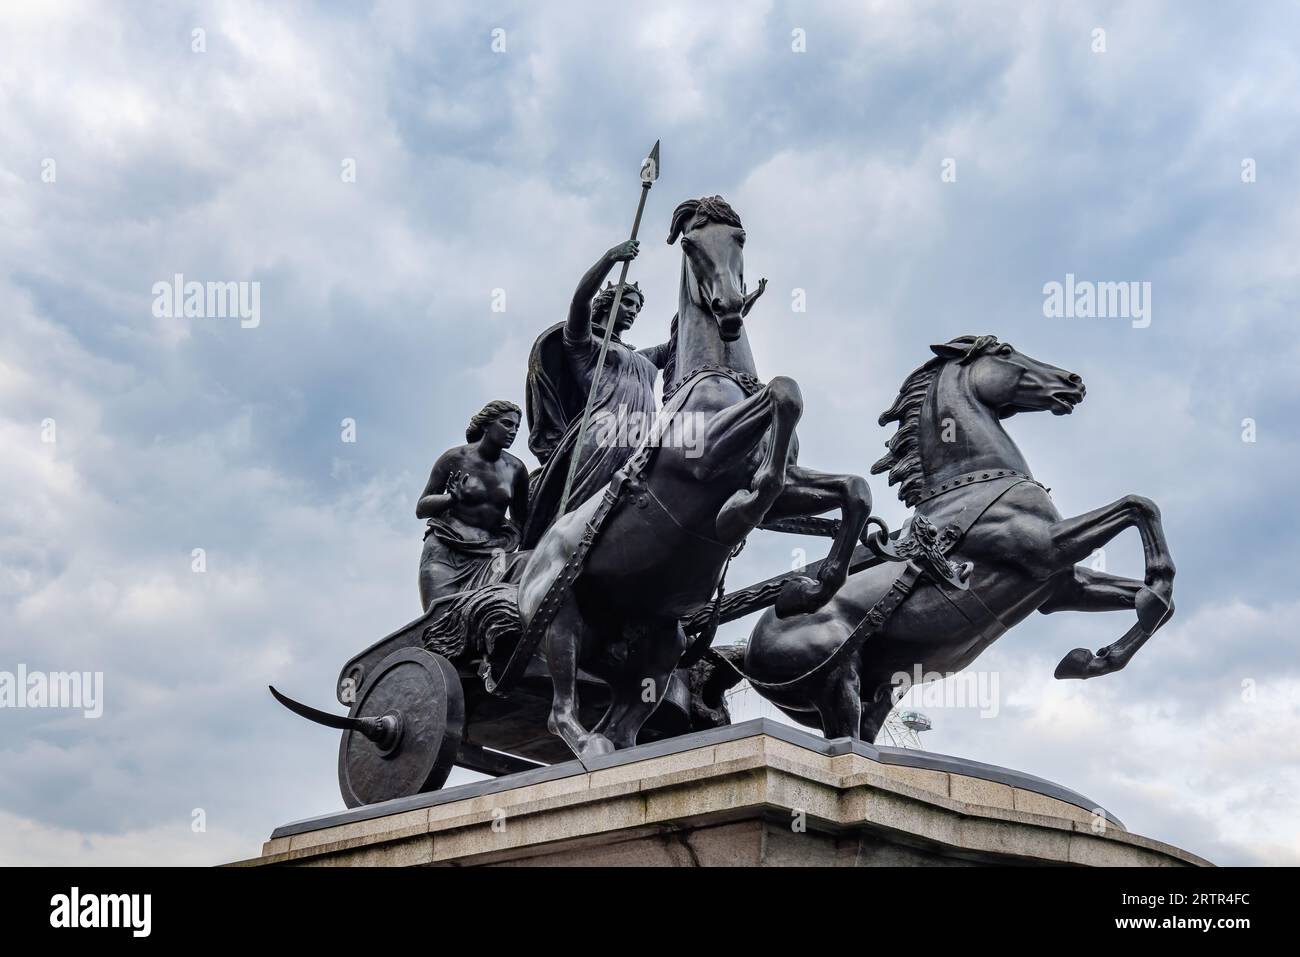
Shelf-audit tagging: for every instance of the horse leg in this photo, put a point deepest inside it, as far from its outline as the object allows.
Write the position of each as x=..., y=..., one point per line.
x=1075, y=538
x=840, y=703
x=564, y=640
x=732, y=433
x=729, y=439
x=1084, y=589
x=638, y=691
x=780, y=409
x=875, y=711
x=809, y=492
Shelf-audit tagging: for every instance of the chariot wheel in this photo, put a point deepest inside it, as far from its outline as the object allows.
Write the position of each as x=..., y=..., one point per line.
x=410, y=717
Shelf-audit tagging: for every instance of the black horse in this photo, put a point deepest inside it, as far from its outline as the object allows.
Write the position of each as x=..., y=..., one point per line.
x=686, y=505
x=956, y=465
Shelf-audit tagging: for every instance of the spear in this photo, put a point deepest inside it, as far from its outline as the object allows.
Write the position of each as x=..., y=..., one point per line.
x=649, y=173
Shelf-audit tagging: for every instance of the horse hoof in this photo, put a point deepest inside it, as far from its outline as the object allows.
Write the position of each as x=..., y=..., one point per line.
x=799, y=596
x=594, y=745
x=1081, y=663
x=1153, y=609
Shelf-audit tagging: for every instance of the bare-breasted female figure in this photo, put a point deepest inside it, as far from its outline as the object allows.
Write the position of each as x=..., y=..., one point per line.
x=472, y=494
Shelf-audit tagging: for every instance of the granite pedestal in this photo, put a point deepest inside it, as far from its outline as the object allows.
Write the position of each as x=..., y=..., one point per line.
x=754, y=794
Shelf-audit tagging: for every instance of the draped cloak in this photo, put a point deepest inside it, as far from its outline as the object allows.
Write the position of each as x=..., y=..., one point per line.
x=473, y=556
x=559, y=378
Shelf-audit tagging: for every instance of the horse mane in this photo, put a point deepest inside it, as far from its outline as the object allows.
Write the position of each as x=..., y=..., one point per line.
x=707, y=209
x=903, y=460
x=670, y=365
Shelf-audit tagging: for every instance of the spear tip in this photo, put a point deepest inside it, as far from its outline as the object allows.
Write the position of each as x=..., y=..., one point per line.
x=650, y=167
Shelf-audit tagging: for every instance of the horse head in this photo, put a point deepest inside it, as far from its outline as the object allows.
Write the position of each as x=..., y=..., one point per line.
x=713, y=244
x=949, y=409
x=1008, y=381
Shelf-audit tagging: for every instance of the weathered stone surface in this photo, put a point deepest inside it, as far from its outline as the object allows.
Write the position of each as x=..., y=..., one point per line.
x=393, y=826
x=1032, y=803
x=923, y=778
x=978, y=792
x=277, y=845
x=654, y=767
x=755, y=801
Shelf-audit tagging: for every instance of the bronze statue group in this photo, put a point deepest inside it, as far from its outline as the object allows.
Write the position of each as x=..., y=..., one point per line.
x=645, y=537
x=574, y=610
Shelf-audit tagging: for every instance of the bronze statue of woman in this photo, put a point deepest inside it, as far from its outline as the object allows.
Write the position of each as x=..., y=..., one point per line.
x=473, y=493
x=560, y=371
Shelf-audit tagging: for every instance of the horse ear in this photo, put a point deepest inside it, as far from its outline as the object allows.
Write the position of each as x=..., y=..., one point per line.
x=681, y=215
x=949, y=350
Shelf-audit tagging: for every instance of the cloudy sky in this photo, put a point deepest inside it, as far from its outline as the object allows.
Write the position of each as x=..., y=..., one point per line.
x=129, y=156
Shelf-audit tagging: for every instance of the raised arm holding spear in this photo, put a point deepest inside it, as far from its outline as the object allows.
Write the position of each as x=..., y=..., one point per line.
x=649, y=173
x=580, y=373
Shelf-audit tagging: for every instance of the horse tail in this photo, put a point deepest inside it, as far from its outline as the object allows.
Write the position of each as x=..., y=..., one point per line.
x=719, y=672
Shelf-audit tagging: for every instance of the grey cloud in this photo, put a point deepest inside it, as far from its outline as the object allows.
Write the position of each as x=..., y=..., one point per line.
x=478, y=171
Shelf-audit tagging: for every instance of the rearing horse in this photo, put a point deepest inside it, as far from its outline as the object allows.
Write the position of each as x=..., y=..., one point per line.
x=952, y=460
x=660, y=537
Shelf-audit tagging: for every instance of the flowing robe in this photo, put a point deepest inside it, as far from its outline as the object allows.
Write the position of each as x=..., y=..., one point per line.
x=560, y=374
x=470, y=557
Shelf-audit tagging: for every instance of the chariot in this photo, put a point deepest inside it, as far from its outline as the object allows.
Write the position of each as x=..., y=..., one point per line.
x=415, y=713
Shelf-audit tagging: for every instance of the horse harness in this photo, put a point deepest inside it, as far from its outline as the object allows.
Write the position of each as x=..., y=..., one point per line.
x=748, y=383
x=628, y=482
x=924, y=550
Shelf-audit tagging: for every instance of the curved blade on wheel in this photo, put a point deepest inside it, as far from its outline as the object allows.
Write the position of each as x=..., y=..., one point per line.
x=341, y=722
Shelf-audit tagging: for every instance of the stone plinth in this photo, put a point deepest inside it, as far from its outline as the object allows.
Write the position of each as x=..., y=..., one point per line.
x=754, y=794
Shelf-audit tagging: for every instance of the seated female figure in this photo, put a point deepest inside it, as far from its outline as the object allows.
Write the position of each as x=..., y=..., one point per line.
x=476, y=501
